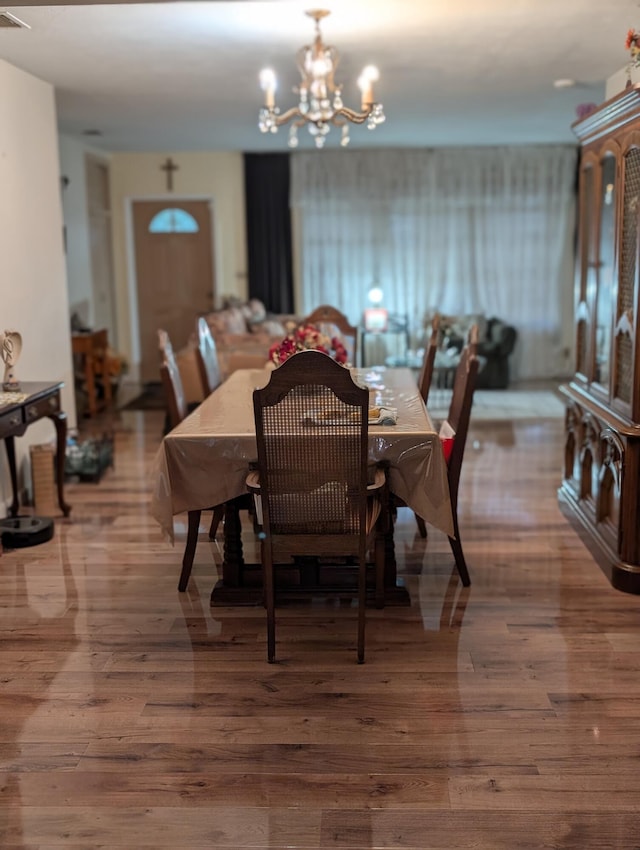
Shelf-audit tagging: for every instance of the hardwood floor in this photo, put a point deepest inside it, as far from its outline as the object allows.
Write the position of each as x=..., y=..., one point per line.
x=502, y=716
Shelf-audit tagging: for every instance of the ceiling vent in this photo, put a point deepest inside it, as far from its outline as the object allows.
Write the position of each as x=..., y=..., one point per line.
x=9, y=20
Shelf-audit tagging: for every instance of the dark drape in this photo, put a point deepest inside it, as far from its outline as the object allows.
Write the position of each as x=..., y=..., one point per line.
x=266, y=181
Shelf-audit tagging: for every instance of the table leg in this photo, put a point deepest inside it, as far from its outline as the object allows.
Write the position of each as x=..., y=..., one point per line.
x=233, y=556
x=59, y=419
x=388, y=520
x=11, y=458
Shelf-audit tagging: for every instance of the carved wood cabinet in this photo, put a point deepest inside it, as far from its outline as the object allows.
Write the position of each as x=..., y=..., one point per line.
x=600, y=490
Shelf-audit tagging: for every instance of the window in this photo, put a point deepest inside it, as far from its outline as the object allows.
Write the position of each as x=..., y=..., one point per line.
x=173, y=220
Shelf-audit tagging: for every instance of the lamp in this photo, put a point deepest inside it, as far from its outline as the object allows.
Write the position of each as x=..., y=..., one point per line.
x=376, y=318
x=320, y=103
x=375, y=295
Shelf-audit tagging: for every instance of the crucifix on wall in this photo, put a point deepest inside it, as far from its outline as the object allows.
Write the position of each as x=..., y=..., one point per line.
x=169, y=166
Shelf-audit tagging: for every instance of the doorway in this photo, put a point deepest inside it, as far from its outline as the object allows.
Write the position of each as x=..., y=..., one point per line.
x=174, y=273
x=102, y=277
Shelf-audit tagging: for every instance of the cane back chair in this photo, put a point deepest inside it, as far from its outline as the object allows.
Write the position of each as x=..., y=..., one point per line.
x=311, y=479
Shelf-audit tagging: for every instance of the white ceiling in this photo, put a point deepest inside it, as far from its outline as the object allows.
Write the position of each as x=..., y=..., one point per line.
x=184, y=76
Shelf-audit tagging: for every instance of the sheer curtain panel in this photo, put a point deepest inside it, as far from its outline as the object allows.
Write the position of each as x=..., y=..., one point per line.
x=478, y=230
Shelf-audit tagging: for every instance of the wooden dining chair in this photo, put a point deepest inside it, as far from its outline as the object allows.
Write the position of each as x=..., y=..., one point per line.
x=429, y=359
x=458, y=412
x=311, y=479
x=424, y=383
x=457, y=424
x=332, y=322
x=207, y=358
x=174, y=394
x=177, y=410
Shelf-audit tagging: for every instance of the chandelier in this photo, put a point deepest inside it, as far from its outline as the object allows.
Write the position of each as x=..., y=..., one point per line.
x=320, y=104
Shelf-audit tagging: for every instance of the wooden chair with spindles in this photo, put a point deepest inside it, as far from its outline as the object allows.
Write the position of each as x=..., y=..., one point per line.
x=177, y=410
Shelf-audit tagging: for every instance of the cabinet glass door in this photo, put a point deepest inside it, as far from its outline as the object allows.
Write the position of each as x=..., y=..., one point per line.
x=587, y=263
x=606, y=259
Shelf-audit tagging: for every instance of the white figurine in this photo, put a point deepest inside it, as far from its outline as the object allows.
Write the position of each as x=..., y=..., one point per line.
x=10, y=348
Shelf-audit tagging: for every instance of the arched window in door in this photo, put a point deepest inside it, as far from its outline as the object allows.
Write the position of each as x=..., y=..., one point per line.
x=173, y=220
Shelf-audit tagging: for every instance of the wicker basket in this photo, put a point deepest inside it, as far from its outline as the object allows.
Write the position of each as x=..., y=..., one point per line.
x=43, y=478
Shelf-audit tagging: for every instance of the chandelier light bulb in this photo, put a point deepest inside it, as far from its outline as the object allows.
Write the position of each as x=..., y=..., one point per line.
x=268, y=86
x=320, y=102
x=365, y=83
x=320, y=67
x=370, y=73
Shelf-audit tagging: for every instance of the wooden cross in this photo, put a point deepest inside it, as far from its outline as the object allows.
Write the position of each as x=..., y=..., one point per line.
x=169, y=166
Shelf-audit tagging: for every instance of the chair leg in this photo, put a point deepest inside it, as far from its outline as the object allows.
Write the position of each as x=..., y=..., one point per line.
x=379, y=550
x=362, y=604
x=189, y=549
x=269, y=600
x=458, y=554
x=216, y=519
x=422, y=526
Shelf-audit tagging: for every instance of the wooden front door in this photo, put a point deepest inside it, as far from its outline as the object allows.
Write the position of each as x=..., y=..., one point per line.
x=174, y=272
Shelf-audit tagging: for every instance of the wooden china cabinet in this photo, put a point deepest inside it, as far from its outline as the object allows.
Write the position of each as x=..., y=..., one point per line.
x=600, y=491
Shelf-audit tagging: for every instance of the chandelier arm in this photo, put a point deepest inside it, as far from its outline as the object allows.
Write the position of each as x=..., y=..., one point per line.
x=294, y=112
x=352, y=115
x=300, y=57
x=344, y=112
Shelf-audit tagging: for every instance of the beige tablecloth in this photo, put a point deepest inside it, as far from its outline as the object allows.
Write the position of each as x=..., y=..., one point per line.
x=204, y=461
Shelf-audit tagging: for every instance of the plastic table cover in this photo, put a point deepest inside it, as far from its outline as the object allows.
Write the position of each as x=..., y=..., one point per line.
x=204, y=461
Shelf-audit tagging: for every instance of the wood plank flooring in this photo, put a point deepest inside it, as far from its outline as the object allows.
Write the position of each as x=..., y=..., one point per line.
x=503, y=716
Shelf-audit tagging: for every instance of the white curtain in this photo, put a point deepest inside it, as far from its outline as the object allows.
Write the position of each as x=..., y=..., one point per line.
x=462, y=231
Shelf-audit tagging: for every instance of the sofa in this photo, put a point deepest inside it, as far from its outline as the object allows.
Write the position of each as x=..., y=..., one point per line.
x=243, y=332
x=496, y=341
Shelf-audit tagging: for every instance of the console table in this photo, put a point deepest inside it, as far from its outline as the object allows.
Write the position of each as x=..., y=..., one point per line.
x=36, y=400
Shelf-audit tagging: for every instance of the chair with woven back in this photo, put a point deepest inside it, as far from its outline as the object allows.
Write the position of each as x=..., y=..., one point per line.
x=332, y=322
x=312, y=495
x=207, y=358
x=177, y=410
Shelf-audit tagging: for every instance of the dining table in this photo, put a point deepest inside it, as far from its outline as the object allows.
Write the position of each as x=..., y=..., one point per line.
x=204, y=461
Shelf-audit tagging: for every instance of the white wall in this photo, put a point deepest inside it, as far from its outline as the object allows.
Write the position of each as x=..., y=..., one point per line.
x=34, y=291
x=617, y=82
x=138, y=176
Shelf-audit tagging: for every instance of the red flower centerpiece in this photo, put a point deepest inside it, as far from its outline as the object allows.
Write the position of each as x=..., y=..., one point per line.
x=304, y=338
x=632, y=44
